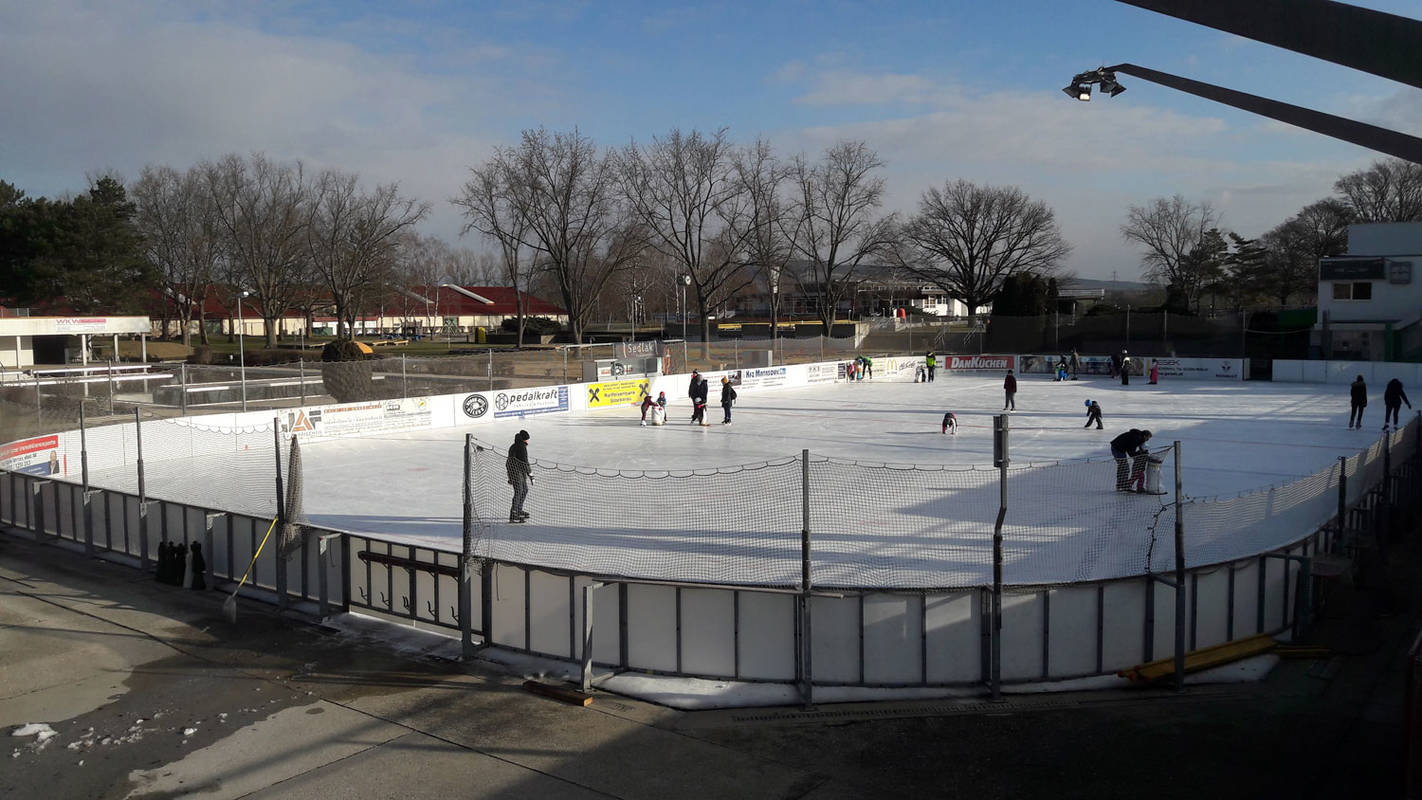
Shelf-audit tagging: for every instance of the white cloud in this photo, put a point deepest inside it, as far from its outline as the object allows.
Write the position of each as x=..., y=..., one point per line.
x=122, y=86
x=1089, y=161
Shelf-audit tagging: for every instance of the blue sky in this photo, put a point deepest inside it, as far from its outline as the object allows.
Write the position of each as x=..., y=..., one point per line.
x=418, y=91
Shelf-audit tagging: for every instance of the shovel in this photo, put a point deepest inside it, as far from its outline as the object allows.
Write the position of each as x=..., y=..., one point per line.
x=229, y=606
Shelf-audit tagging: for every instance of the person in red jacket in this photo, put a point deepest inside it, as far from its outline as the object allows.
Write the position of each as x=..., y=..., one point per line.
x=1009, y=385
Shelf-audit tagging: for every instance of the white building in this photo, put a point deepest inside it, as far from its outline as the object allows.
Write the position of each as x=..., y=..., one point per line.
x=1370, y=300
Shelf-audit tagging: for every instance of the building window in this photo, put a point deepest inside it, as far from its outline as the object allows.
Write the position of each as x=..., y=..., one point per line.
x=1361, y=290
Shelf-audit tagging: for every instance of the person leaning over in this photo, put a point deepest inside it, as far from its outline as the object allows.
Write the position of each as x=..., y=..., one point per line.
x=1128, y=445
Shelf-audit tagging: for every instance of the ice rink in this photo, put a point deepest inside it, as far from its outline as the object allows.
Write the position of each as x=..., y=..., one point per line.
x=722, y=503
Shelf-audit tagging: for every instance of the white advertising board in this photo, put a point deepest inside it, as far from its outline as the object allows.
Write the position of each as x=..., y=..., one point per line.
x=356, y=419
x=1224, y=369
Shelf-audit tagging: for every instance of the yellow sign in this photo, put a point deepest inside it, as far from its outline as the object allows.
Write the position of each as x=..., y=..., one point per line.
x=617, y=393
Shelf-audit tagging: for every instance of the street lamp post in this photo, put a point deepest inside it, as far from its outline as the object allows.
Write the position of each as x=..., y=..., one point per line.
x=242, y=349
x=685, y=282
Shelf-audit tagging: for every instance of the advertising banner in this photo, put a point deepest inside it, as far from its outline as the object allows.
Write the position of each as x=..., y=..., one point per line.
x=1085, y=365
x=354, y=419
x=824, y=373
x=521, y=402
x=617, y=393
x=1226, y=369
x=968, y=363
x=902, y=368
x=764, y=378
x=38, y=456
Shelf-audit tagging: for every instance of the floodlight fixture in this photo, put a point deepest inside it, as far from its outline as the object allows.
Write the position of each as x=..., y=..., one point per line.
x=1080, y=86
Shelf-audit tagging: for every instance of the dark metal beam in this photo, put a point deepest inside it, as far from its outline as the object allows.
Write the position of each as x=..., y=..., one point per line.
x=1372, y=41
x=1362, y=134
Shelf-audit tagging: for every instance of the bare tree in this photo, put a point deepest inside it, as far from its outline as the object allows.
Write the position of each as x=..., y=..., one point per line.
x=180, y=238
x=686, y=192
x=490, y=208
x=1172, y=231
x=352, y=239
x=835, y=227
x=1388, y=191
x=262, y=210
x=1318, y=231
x=772, y=230
x=566, y=192
x=968, y=240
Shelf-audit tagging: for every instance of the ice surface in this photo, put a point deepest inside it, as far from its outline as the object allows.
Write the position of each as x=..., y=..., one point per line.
x=1064, y=524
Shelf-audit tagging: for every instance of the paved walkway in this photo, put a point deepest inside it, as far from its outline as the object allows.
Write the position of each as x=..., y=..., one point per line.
x=151, y=693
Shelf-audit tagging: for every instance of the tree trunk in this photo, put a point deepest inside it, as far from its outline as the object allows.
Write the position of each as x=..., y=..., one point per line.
x=518, y=308
x=270, y=333
x=705, y=325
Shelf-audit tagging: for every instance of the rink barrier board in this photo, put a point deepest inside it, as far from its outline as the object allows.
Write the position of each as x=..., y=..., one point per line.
x=862, y=639
x=866, y=638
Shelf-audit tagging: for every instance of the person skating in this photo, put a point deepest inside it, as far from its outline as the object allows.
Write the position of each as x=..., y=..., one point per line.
x=1074, y=364
x=868, y=363
x=1093, y=414
x=950, y=422
x=1125, y=369
x=728, y=397
x=698, y=398
x=1393, y=398
x=691, y=392
x=1115, y=365
x=1154, y=373
x=1128, y=446
x=647, y=404
x=1009, y=387
x=931, y=362
x=1358, y=400
x=520, y=473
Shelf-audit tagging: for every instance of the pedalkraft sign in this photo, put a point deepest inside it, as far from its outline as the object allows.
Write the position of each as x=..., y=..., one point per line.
x=964, y=363
x=520, y=403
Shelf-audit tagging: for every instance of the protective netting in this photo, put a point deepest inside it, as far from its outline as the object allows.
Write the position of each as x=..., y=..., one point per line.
x=737, y=524
x=235, y=466
x=871, y=524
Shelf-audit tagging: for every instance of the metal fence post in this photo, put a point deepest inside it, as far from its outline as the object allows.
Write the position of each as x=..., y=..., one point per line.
x=491, y=369
x=280, y=552
x=1342, y=503
x=301, y=376
x=588, y=592
x=183, y=388
x=111, y=386
x=807, y=673
x=466, y=558
x=142, y=495
x=405, y=380
x=84, y=473
x=39, y=407
x=1179, y=581
x=1000, y=453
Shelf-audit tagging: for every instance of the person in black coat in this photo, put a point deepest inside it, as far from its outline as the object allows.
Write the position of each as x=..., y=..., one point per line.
x=1358, y=398
x=1009, y=387
x=1393, y=398
x=520, y=472
x=199, y=567
x=699, y=393
x=728, y=396
x=1128, y=445
x=691, y=391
